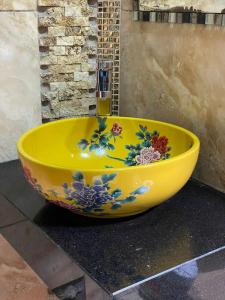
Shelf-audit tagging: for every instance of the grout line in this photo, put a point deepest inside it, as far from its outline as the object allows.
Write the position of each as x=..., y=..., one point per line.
x=169, y=270
x=12, y=224
x=15, y=207
x=18, y=11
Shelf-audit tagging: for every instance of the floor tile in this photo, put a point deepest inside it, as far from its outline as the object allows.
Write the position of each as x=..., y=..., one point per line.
x=17, y=280
x=18, y=191
x=45, y=258
x=9, y=214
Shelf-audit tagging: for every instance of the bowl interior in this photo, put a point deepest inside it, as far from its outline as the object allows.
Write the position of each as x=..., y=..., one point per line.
x=113, y=142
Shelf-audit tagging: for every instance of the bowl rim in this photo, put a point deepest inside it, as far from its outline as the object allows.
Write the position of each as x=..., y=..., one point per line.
x=195, y=146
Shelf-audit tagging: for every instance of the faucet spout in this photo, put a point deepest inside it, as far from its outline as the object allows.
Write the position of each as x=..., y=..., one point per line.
x=104, y=88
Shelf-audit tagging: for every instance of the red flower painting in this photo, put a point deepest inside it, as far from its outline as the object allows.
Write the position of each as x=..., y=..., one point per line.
x=160, y=144
x=116, y=129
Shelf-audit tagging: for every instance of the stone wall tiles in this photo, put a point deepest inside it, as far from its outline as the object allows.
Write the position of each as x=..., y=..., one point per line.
x=68, y=49
x=175, y=73
x=20, y=104
x=18, y=5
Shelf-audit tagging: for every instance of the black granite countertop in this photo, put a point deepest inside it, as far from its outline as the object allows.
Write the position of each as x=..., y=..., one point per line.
x=125, y=254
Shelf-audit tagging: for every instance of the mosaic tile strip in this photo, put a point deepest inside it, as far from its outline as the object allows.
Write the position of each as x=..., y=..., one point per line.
x=180, y=17
x=109, y=12
x=206, y=6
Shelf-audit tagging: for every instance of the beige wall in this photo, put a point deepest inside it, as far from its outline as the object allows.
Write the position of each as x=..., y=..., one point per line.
x=18, y=5
x=20, y=104
x=176, y=73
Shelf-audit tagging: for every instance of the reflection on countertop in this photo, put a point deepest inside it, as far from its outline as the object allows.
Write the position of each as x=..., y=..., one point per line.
x=199, y=279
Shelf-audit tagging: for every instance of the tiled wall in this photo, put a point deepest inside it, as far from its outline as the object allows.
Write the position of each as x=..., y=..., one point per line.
x=175, y=73
x=109, y=43
x=180, y=17
x=68, y=48
x=209, y=6
x=20, y=103
x=208, y=13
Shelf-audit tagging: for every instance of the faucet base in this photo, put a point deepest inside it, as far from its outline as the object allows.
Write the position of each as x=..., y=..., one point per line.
x=104, y=107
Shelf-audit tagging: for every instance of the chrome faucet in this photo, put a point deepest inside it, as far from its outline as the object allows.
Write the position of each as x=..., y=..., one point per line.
x=104, y=88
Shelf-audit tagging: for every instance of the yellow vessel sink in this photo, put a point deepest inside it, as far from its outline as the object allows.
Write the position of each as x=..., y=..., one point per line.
x=108, y=167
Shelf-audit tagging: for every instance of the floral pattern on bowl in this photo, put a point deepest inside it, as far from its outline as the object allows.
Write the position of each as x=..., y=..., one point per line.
x=101, y=138
x=81, y=197
x=92, y=197
x=151, y=147
x=147, y=156
x=68, y=206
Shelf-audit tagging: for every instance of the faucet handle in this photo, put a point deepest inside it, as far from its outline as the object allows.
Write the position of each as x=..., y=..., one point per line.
x=104, y=77
x=104, y=87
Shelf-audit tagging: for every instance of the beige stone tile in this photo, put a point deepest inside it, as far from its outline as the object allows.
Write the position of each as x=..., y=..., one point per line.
x=18, y=5
x=20, y=104
x=17, y=280
x=175, y=73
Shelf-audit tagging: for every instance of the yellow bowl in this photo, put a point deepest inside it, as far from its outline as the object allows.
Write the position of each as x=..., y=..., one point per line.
x=108, y=167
